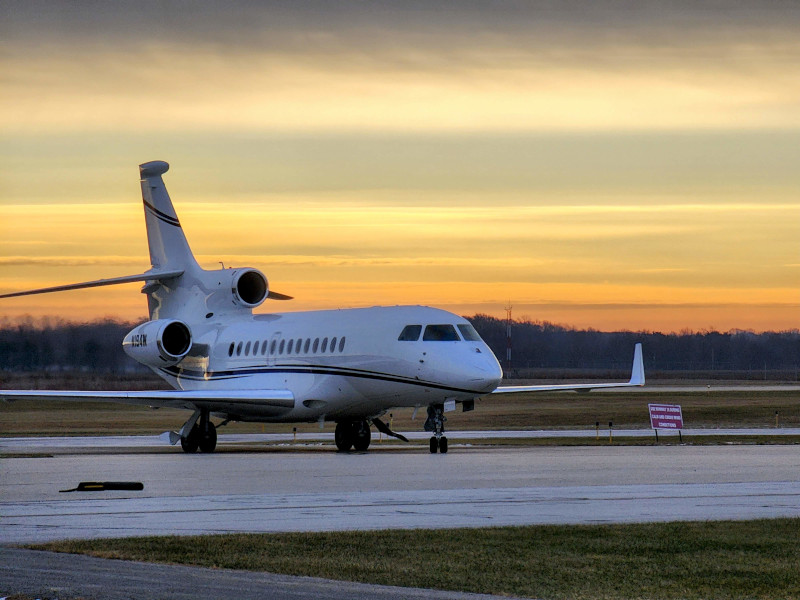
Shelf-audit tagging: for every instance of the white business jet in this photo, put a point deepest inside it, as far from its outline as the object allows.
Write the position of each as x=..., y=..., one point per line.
x=348, y=366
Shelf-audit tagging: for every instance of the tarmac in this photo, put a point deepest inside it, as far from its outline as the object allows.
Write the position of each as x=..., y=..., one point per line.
x=64, y=576
x=311, y=487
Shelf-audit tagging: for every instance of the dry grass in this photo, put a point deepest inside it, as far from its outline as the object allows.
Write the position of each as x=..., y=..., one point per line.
x=751, y=559
x=627, y=410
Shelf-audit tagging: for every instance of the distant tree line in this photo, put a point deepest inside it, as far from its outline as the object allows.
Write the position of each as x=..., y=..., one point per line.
x=542, y=345
x=57, y=345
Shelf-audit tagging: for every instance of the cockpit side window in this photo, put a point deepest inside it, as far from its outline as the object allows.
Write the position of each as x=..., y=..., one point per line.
x=410, y=333
x=468, y=333
x=440, y=333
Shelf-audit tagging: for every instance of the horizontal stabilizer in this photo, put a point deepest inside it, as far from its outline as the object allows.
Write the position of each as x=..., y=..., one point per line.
x=148, y=276
x=276, y=296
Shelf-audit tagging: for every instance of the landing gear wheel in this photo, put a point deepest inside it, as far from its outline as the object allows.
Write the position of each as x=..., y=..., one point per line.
x=342, y=437
x=435, y=424
x=191, y=442
x=352, y=434
x=362, y=435
x=208, y=438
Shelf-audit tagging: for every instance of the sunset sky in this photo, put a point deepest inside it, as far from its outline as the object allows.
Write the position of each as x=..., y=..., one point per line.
x=611, y=165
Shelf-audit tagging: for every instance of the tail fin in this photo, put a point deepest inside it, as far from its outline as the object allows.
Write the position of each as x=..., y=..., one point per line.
x=169, y=249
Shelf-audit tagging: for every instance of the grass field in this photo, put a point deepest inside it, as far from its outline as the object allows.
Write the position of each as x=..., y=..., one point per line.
x=567, y=410
x=752, y=559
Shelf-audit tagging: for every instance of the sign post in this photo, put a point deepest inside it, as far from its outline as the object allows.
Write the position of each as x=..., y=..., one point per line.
x=666, y=416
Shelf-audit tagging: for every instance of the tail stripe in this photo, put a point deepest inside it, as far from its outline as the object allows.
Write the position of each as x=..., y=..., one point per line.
x=162, y=216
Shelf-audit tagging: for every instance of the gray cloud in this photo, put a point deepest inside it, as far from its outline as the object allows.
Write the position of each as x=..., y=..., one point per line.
x=320, y=25
x=67, y=261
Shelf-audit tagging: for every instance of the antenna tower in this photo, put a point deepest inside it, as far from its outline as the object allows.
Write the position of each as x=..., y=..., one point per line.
x=508, y=336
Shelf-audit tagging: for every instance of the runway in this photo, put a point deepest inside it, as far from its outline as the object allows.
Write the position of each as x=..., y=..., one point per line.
x=39, y=445
x=324, y=490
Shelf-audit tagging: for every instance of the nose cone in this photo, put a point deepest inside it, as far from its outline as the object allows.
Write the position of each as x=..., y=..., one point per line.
x=485, y=373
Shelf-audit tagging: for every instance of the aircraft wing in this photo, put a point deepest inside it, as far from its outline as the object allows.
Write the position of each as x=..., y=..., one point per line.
x=153, y=275
x=637, y=379
x=217, y=401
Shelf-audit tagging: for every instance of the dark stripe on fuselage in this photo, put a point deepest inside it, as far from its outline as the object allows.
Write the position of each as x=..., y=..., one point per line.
x=312, y=370
x=161, y=215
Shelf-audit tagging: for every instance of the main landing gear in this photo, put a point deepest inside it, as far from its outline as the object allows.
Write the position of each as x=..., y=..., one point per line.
x=355, y=433
x=201, y=435
x=352, y=434
x=435, y=423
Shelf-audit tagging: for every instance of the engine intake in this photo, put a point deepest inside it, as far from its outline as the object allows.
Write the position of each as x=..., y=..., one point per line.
x=249, y=287
x=160, y=343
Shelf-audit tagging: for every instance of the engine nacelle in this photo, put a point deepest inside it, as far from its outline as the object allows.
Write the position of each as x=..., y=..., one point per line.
x=160, y=343
x=249, y=287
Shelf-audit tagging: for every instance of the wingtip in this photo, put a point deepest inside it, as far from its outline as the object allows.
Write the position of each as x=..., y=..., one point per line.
x=637, y=371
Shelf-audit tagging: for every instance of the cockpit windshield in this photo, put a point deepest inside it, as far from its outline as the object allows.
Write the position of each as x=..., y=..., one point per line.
x=468, y=333
x=410, y=333
x=440, y=333
x=444, y=332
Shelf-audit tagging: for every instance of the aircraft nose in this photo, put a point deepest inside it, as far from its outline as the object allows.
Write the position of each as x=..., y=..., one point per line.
x=486, y=374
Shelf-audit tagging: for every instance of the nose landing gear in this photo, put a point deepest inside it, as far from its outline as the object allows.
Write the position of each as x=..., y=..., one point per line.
x=435, y=423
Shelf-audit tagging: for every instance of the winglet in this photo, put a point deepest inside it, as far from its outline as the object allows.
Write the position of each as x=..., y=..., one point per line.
x=637, y=372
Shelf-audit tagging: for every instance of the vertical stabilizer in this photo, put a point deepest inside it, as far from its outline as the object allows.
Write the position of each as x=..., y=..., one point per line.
x=168, y=246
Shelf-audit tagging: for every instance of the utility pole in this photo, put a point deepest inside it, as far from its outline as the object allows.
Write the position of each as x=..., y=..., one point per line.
x=508, y=337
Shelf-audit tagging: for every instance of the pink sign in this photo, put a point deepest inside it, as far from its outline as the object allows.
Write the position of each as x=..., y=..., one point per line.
x=665, y=416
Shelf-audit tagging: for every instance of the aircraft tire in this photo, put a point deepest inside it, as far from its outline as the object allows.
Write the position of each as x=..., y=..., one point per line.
x=208, y=439
x=343, y=436
x=434, y=445
x=443, y=445
x=191, y=442
x=362, y=435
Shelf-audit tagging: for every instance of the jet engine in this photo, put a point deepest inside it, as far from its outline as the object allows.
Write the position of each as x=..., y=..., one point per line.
x=160, y=343
x=249, y=287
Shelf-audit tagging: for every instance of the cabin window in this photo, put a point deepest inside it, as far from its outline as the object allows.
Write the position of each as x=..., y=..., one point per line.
x=341, y=344
x=230, y=349
x=316, y=345
x=298, y=346
x=468, y=333
x=264, y=348
x=272, y=346
x=281, y=346
x=239, y=349
x=333, y=345
x=324, y=345
x=410, y=333
x=289, y=347
x=247, y=349
x=440, y=333
x=306, y=346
